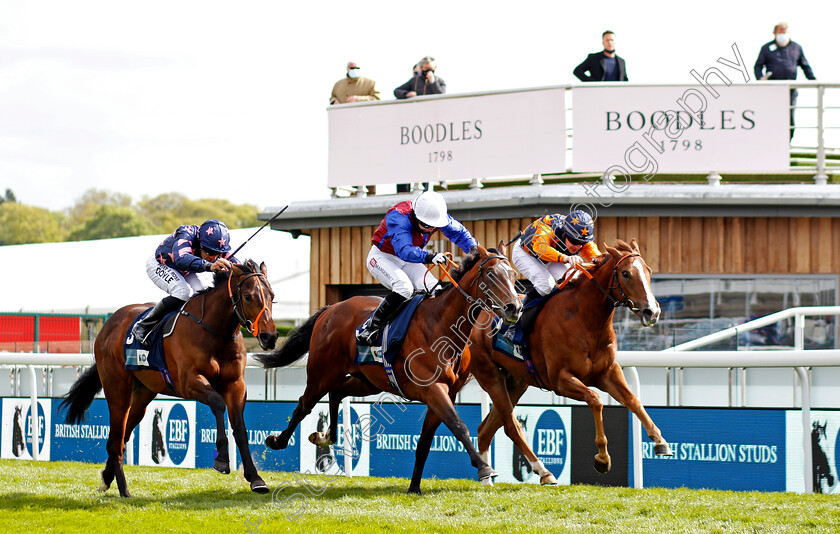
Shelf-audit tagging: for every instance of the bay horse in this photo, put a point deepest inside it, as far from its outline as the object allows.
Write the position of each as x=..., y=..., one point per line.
x=429, y=367
x=205, y=356
x=573, y=347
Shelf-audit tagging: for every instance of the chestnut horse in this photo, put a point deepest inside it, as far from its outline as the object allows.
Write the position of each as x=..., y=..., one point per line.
x=428, y=368
x=205, y=356
x=572, y=346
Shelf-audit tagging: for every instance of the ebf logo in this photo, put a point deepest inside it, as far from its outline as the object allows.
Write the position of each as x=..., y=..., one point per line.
x=550, y=442
x=167, y=434
x=42, y=428
x=354, y=433
x=177, y=434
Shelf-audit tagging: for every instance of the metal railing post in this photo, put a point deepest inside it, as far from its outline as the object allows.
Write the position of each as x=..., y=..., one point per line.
x=807, y=457
x=35, y=423
x=821, y=178
x=638, y=480
x=349, y=441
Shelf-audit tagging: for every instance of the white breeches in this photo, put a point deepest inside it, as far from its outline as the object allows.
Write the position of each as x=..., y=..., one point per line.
x=175, y=283
x=544, y=276
x=397, y=275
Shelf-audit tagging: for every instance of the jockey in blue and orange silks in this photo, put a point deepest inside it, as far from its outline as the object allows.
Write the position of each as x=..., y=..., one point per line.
x=397, y=257
x=189, y=250
x=552, y=244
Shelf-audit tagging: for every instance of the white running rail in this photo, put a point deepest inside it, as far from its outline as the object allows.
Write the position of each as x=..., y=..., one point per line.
x=798, y=358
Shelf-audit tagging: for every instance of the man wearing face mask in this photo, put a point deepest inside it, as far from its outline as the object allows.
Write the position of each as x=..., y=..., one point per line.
x=779, y=60
x=353, y=87
x=603, y=66
x=426, y=82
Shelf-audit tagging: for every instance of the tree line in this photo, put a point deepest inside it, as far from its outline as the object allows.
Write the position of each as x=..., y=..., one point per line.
x=101, y=214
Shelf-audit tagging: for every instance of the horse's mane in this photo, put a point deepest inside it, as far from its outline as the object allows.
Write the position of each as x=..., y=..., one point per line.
x=621, y=246
x=467, y=263
x=220, y=278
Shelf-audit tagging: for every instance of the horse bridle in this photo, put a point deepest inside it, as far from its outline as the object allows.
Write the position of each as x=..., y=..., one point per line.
x=237, y=303
x=625, y=302
x=487, y=306
x=240, y=315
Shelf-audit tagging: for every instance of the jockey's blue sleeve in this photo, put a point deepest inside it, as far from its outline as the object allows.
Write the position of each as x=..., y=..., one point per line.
x=458, y=234
x=183, y=253
x=400, y=231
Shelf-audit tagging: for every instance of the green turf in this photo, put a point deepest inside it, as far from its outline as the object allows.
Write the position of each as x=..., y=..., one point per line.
x=62, y=497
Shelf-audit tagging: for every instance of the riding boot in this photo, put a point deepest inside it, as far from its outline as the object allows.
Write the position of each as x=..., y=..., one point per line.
x=531, y=295
x=384, y=313
x=143, y=328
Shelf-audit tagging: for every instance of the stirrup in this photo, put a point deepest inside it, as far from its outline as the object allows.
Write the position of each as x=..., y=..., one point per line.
x=366, y=336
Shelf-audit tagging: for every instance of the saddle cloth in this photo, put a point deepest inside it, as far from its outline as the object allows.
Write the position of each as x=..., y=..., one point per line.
x=390, y=341
x=524, y=325
x=139, y=358
x=387, y=346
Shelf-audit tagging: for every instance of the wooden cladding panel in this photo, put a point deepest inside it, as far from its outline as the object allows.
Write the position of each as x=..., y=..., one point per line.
x=357, y=255
x=678, y=245
x=367, y=235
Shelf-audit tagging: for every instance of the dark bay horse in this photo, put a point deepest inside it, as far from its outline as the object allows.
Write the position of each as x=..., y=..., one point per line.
x=573, y=346
x=429, y=367
x=206, y=359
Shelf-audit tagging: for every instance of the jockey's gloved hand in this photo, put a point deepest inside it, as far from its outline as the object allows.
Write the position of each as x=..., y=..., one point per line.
x=573, y=260
x=437, y=259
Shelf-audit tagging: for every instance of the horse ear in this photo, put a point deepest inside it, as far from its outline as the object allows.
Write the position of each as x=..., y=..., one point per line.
x=502, y=248
x=634, y=246
x=613, y=252
x=263, y=269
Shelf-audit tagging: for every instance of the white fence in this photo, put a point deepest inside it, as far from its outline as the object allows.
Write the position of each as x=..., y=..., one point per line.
x=797, y=359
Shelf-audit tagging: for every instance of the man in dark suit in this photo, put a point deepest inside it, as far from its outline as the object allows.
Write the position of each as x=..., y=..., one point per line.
x=603, y=66
x=779, y=60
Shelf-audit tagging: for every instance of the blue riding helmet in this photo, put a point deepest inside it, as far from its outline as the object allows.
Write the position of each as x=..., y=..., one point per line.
x=578, y=226
x=214, y=235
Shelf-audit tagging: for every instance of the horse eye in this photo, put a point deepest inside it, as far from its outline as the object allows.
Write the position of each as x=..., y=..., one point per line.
x=248, y=298
x=625, y=274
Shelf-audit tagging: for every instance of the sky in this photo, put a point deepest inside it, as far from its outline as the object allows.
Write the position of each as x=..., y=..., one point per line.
x=228, y=100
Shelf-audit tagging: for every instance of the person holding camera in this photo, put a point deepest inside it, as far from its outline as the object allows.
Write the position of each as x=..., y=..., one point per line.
x=425, y=82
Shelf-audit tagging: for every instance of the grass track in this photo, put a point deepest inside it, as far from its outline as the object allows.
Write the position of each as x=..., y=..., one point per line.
x=62, y=497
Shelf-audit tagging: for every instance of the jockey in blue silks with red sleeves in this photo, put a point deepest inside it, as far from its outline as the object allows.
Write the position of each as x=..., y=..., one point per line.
x=177, y=261
x=397, y=256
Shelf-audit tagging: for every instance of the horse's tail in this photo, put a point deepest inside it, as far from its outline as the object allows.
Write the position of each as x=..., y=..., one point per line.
x=81, y=395
x=294, y=348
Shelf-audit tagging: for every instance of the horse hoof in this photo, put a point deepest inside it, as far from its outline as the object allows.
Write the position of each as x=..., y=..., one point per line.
x=663, y=449
x=125, y=494
x=486, y=481
x=602, y=467
x=414, y=491
x=222, y=467
x=104, y=487
x=273, y=442
x=548, y=480
x=320, y=439
x=487, y=472
x=259, y=486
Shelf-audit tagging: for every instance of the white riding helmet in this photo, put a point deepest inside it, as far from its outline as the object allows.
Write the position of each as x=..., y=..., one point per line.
x=430, y=209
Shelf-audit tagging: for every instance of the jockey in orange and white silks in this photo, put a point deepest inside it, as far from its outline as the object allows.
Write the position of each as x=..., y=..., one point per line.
x=552, y=244
x=397, y=257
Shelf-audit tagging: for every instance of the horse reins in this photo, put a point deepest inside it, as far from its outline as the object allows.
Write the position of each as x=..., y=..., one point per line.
x=625, y=302
x=243, y=320
x=488, y=307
